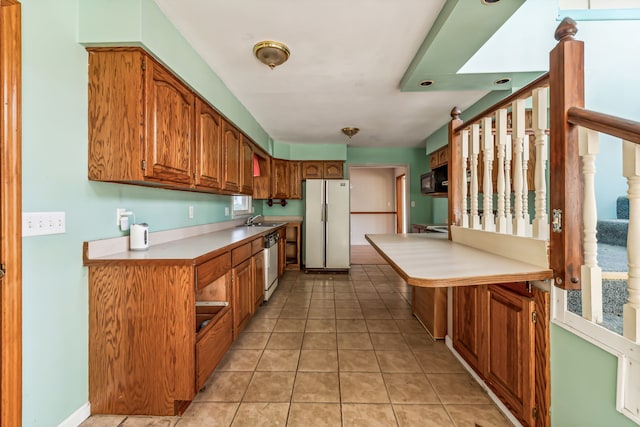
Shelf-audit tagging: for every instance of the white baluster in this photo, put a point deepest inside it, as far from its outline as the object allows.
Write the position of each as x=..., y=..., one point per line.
x=463, y=181
x=631, y=310
x=488, y=221
x=517, y=134
x=475, y=149
x=590, y=271
x=501, y=141
x=525, y=186
x=540, y=121
x=507, y=185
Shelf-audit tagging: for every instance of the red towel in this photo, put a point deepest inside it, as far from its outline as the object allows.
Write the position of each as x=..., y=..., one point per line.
x=256, y=166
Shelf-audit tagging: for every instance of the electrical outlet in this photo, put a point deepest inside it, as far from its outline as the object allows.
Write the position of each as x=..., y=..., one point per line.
x=119, y=213
x=42, y=223
x=413, y=204
x=190, y=212
x=226, y=211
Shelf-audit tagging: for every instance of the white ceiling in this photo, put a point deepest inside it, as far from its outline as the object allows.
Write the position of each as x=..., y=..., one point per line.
x=347, y=61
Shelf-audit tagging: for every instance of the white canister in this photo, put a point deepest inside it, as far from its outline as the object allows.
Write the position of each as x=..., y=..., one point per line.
x=139, y=237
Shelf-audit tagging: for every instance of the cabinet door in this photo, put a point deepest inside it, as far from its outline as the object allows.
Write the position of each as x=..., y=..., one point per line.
x=510, y=335
x=280, y=179
x=443, y=156
x=312, y=170
x=170, y=109
x=208, y=146
x=246, y=166
x=258, y=280
x=242, y=296
x=467, y=323
x=295, y=180
x=333, y=170
x=433, y=160
x=262, y=183
x=230, y=157
x=116, y=112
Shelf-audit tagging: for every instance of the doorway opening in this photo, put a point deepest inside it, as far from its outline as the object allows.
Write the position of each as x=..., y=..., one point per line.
x=378, y=205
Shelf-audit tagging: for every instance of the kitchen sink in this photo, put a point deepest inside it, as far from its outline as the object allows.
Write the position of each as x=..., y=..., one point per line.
x=263, y=224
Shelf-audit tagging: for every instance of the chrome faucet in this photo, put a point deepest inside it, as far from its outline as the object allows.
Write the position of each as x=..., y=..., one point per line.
x=252, y=219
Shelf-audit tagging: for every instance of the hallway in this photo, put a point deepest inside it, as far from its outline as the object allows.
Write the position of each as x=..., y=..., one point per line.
x=334, y=350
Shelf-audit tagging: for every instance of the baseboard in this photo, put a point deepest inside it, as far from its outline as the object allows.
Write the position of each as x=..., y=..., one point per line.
x=78, y=417
x=501, y=406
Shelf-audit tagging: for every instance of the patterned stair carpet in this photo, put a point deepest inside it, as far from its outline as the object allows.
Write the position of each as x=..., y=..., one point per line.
x=613, y=262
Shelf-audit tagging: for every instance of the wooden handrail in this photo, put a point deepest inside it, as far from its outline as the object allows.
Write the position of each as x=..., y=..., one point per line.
x=375, y=213
x=541, y=81
x=628, y=130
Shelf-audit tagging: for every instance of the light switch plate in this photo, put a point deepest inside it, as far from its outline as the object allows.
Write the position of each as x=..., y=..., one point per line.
x=43, y=223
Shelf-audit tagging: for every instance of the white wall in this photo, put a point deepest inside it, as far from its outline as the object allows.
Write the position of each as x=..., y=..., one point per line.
x=372, y=190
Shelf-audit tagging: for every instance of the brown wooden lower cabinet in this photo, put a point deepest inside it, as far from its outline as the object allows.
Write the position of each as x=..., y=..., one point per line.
x=494, y=330
x=257, y=265
x=158, y=328
x=429, y=305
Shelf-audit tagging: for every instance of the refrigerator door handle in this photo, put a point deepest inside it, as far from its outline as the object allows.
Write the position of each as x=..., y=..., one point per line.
x=326, y=212
x=322, y=211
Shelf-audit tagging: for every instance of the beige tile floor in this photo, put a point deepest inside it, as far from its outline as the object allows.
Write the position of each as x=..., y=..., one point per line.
x=334, y=350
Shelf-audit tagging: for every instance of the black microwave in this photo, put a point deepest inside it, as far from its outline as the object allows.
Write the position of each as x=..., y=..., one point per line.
x=435, y=181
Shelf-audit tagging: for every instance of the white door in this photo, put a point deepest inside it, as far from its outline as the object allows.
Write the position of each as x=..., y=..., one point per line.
x=337, y=223
x=314, y=224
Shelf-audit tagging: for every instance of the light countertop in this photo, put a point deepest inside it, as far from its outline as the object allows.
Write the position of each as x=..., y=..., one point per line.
x=192, y=247
x=431, y=260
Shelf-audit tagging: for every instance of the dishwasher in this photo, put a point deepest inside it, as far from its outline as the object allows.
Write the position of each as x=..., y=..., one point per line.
x=270, y=264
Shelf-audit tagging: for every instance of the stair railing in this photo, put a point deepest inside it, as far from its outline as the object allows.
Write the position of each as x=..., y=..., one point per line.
x=489, y=155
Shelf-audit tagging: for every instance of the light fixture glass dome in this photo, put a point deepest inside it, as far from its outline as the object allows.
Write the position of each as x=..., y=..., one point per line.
x=271, y=53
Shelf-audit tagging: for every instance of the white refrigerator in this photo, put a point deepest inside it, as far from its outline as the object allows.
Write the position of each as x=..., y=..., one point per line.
x=327, y=227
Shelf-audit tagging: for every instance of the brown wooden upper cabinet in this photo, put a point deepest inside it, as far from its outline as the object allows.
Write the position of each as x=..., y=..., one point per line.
x=295, y=180
x=134, y=100
x=262, y=183
x=329, y=169
x=147, y=127
x=231, y=157
x=279, y=179
x=246, y=166
x=208, y=146
x=438, y=158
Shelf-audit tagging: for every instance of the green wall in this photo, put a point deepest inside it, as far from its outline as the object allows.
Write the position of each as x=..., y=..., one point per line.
x=583, y=383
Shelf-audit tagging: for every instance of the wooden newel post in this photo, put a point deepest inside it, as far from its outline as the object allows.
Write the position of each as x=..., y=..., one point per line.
x=566, y=83
x=454, y=172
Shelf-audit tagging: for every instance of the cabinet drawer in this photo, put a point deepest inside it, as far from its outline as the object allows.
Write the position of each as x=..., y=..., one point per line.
x=210, y=270
x=211, y=346
x=240, y=253
x=257, y=245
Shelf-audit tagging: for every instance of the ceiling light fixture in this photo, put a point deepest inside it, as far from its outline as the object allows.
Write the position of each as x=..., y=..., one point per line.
x=502, y=81
x=426, y=83
x=271, y=53
x=490, y=1
x=349, y=131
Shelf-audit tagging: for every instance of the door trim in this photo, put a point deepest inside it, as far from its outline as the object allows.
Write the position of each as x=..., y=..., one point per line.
x=11, y=213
